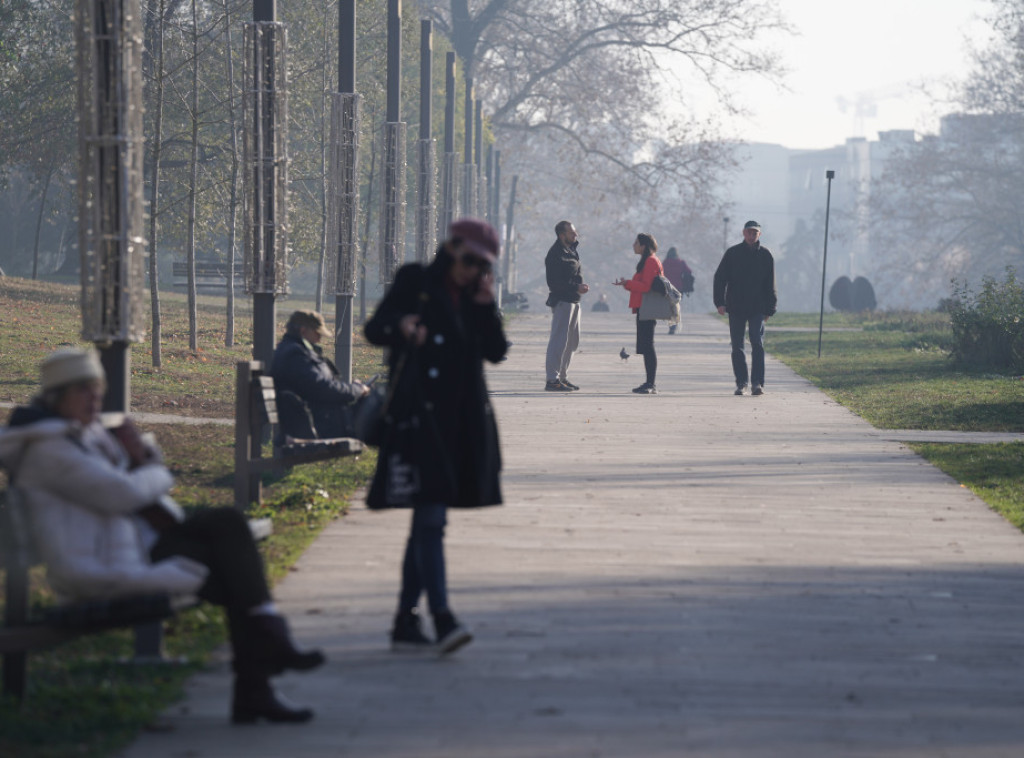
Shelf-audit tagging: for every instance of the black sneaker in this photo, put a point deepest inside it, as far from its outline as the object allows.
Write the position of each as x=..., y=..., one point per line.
x=569, y=384
x=556, y=386
x=739, y=389
x=757, y=390
x=645, y=389
x=407, y=636
x=451, y=635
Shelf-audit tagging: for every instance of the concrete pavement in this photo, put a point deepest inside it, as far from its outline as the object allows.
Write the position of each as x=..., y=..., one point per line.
x=690, y=573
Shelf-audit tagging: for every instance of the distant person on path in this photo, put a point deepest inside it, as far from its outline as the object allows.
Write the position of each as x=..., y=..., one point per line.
x=647, y=269
x=312, y=400
x=681, y=276
x=745, y=289
x=107, y=528
x=601, y=306
x=565, y=281
x=440, y=322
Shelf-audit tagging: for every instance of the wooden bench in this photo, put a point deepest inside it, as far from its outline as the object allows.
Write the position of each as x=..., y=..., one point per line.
x=256, y=413
x=24, y=631
x=210, y=275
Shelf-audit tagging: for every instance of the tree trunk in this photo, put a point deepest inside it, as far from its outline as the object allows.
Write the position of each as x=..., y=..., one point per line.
x=366, y=231
x=154, y=190
x=229, y=332
x=39, y=219
x=324, y=183
x=193, y=178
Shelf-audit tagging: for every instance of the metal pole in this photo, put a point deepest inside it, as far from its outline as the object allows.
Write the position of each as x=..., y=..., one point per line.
x=449, y=180
x=264, y=304
x=392, y=217
x=725, y=233
x=829, y=175
x=468, y=171
x=426, y=222
x=478, y=159
x=510, y=219
x=344, y=184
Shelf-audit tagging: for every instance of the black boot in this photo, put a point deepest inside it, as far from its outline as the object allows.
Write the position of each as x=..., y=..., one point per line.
x=255, y=699
x=407, y=634
x=272, y=645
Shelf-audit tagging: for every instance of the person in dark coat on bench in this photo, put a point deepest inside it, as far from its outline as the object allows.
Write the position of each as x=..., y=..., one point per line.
x=312, y=400
x=106, y=528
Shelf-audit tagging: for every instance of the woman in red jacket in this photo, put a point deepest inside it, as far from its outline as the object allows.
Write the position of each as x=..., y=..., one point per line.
x=647, y=269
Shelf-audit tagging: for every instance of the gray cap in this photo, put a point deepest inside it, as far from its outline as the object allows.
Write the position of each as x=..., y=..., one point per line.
x=752, y=225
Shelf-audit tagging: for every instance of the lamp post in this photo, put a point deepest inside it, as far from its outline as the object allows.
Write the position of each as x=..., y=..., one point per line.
x=725, y=233
x=829, y=176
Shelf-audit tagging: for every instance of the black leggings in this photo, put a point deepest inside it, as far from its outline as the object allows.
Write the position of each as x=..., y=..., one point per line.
x=220, y=539
x=645, y=347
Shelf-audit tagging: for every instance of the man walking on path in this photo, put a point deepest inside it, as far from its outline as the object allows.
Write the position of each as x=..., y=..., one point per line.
x=565, y=280
x=745, y=289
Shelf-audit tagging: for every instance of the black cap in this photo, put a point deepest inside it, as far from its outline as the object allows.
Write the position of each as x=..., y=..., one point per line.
x=752, y=225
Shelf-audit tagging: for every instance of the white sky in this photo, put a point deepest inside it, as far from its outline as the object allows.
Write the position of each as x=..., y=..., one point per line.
x=884, y=50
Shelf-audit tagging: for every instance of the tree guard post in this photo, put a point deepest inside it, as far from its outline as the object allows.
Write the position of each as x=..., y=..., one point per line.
x=265, y=208
x=392, y=217
x=343, y=190
x=468, y=204
x=111, y=234
x=449, y=171
x=426, y=205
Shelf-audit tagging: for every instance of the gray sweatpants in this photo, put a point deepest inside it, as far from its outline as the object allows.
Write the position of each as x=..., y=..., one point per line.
x=565, y=338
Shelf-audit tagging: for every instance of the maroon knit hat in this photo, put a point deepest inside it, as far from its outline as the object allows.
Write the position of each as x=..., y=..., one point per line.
x=478, y=235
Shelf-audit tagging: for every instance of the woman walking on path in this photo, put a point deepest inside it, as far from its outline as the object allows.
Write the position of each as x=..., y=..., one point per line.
x=647, y=270
x=440, y=444
x=675, y=271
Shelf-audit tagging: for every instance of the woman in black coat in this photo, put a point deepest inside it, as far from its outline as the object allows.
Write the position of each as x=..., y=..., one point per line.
x=440, y=446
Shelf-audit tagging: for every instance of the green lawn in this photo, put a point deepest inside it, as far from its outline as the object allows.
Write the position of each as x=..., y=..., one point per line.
x=896, y=373
x=81, y=701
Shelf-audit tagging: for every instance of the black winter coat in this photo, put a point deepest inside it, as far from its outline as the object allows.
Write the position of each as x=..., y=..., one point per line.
x=564, y=274
x=314, y=379
x=745, y=281
x=445, y=376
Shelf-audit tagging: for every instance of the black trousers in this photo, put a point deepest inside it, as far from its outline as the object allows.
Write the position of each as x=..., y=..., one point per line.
x=220, y=539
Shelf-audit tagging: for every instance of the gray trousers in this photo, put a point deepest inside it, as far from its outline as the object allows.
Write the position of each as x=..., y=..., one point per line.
x=565, y=338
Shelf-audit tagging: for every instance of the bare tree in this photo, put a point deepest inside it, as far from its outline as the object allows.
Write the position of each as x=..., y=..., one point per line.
x=595, y=73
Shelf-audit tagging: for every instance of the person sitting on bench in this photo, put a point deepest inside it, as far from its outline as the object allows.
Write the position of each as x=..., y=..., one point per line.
x=312, y=400
x=106, y=528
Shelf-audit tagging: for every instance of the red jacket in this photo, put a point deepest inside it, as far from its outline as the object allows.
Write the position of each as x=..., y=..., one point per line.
x=641, y=281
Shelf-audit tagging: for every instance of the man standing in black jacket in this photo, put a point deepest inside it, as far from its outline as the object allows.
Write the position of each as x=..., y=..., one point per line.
x=745, y=289
x=565, y=280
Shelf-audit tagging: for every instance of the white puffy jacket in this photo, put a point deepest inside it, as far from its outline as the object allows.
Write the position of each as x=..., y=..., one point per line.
x=81, y=497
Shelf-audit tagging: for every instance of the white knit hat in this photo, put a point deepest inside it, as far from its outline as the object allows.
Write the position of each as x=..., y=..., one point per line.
x=69, y=365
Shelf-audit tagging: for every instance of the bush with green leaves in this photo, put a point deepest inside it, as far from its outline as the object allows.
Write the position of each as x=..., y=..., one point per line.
x=988, y=324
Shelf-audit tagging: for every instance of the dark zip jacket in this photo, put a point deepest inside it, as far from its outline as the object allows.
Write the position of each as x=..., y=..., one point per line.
x=745, y=281
x=564, y=274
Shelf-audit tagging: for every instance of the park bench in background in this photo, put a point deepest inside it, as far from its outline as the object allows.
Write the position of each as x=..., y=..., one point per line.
x=255, y=413
x=24, y=631
x=210, y=275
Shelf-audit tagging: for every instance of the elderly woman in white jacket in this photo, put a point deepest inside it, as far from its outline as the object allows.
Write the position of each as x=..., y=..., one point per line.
x=106, y=527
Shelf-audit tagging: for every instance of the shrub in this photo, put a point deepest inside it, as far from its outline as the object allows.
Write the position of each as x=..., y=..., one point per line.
x=988, y=325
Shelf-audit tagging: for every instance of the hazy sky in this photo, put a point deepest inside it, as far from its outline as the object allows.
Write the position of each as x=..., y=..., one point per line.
x=877, y=50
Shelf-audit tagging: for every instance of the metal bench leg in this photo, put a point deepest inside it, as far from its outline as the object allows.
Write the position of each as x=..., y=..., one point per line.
x=16, y=614
x=149, y=643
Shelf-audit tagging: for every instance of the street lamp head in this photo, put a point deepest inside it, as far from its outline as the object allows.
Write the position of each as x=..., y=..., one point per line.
x=830, y=174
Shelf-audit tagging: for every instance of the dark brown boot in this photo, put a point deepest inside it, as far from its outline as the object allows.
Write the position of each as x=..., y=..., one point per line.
x=255, y=699
x=271, y=644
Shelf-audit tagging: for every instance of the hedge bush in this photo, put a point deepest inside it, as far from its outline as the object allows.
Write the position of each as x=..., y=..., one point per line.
x=988, y=324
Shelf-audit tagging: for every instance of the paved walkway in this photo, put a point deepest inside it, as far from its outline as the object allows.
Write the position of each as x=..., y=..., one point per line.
x=690, y=573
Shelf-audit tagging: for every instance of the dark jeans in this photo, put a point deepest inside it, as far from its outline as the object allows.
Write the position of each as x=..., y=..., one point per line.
x=645, y=347
x=738, y=324
x=220, y=539
x=423, y=567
